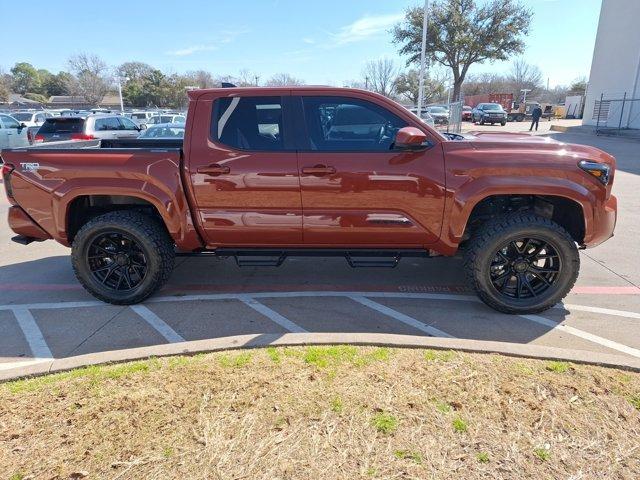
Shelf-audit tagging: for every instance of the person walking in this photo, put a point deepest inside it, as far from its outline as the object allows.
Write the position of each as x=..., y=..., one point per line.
x=535, y=117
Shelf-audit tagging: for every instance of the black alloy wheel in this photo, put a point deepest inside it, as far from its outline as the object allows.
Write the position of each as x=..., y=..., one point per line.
x=525, y=268
x=117, y=261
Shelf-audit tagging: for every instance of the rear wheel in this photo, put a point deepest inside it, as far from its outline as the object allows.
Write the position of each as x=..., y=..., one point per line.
x=122, y=257
x=522, y=263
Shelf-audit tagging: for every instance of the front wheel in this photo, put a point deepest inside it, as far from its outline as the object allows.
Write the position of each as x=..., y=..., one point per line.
x=522, y=263
x=122, y=257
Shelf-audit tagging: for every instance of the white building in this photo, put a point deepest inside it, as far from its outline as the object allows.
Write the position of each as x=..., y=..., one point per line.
x=615, y=70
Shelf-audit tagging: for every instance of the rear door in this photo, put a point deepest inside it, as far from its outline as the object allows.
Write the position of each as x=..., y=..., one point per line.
x=244, y=171
x=356, y=189
x=15, y=136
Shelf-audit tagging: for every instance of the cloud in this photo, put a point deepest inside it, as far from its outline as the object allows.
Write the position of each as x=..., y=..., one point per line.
x=365, y=27
x=183, y=52
x=308, y=40
x=224, y=36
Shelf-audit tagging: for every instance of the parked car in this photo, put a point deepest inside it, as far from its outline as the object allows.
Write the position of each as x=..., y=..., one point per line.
x=158, y=119
x=467, y=113
x=31, y=119
x=335, y=172
x=440, y=114
x=424, y=116
x=87, y=128
x=141, y=118
x=491, y=113
x=164, y=130
x=13, y=134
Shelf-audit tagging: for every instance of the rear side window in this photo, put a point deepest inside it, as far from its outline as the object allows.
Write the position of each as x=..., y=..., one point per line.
x=248, y=123
x=62, y=125
x=109, y=123
x=349, y=124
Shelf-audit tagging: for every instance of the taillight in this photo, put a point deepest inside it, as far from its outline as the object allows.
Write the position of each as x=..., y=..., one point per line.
x=38, y=139
x=82, y=136
x=7, y=168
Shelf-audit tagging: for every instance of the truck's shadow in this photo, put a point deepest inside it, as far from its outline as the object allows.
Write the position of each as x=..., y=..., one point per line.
x=78, y=330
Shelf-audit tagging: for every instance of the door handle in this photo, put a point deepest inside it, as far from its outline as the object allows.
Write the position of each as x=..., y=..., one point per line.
x=318, y=170
x=214, y=170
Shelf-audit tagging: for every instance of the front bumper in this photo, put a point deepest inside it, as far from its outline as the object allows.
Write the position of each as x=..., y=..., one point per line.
x=489, y=119
x=604, y=223
x=24, y=226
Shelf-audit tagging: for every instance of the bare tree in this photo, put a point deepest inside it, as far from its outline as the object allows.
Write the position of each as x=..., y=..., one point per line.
x=380, y=76
x=283, y=80
x=524, y=75
x=91, y=77
x=201, y=79
x=407, y=86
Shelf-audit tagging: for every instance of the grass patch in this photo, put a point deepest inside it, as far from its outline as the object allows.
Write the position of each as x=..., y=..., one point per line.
x=408, y=454
x=482, y=457
x=235, y=360
x=323, y=412
x=459, y=425
x=274, y=354
x=337, y=405
x=542, y=454
x=439, y=355
x=385, y=423
x=557, y=367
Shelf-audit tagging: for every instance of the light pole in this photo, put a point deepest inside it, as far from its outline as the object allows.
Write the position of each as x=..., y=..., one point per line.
x=120, y=79
x=423, y=55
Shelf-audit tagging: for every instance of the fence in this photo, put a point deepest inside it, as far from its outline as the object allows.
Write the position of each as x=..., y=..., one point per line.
x=615, y=115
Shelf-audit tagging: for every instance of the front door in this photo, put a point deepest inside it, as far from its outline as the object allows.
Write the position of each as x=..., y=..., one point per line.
x=357, y=191
x=244, y=172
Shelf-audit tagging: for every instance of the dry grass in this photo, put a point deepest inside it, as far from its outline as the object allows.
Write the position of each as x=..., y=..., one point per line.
x=324, y=413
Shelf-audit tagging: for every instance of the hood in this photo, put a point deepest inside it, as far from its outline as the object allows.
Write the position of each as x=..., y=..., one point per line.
x=536, y=145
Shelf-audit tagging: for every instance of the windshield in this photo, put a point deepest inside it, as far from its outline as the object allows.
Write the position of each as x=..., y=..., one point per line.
x=139, y=116
x=493, y=107
x=163, y=131
x=437, y=110
x=23, y=117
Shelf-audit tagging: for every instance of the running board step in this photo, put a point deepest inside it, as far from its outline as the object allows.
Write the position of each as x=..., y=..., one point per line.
x=372, y=262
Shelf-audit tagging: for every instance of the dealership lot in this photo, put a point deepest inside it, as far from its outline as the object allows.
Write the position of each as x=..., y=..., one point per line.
x=45, y=314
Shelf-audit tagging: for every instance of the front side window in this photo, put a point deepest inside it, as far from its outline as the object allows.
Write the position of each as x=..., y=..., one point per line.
x=349, y=124
x=248, y=123
x=128, y=124
x=9, y=122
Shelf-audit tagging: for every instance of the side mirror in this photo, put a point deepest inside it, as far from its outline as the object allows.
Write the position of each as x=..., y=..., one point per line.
x=410, y=138
x=21, y=126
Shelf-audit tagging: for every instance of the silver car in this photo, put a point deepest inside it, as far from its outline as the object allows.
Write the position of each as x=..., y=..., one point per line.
x=13, y=134
x=90, y=127
x=168, y=118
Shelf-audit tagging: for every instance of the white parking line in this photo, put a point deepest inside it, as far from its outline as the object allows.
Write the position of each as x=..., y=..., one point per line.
x=406, y=319
x=605, y=342
x=604, y=311
x=156, y=322
x=271, y=314
x=32, y=333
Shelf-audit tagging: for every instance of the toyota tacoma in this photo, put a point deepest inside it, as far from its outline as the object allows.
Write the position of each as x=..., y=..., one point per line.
x=265, y=173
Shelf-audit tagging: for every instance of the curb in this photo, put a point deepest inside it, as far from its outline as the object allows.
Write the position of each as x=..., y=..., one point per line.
x=299, y=339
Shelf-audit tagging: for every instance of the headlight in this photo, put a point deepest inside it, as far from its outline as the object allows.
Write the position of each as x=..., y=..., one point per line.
x=599, y=170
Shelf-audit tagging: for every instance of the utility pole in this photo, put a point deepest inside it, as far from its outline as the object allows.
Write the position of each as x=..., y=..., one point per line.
x=120, y=92
x=366, y=82
x=257, y=77
x=423, y=55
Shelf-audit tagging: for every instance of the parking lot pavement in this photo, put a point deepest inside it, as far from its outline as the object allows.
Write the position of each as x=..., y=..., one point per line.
x=45, y=314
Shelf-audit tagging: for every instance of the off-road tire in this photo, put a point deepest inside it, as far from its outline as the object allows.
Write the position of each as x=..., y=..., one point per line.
x=153, y=240
x=488, y=239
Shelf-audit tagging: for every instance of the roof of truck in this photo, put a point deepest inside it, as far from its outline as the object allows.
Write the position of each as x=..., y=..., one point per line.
x=230, y=90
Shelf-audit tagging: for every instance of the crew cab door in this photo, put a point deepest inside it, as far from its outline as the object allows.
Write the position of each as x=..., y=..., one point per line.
x=244, y=171
x=356, y=189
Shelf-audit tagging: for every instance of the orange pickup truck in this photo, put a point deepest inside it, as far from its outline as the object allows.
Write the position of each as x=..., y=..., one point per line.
x=265, y=173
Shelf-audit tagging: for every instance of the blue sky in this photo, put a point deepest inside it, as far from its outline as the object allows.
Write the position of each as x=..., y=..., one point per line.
x=322, y=42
